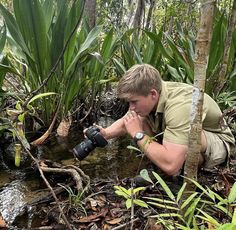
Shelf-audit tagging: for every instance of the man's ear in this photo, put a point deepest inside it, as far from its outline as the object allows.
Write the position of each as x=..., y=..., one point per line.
x=154, y=93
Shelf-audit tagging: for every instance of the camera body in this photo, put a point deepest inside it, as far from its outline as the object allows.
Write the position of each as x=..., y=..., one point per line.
x=94, y=139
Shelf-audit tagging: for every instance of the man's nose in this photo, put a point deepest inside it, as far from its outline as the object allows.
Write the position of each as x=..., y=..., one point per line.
x=131, y=106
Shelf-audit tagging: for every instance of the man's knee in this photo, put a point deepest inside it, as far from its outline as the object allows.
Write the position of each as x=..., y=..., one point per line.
x=216, y=150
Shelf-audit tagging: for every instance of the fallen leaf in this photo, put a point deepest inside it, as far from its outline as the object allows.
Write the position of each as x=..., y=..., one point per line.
x=152, y=225
x=89, y=219
x=114, y=221
x=94, y=217
x=106, y=227
x=101, y=201
x=93, y=203
x=116, y=212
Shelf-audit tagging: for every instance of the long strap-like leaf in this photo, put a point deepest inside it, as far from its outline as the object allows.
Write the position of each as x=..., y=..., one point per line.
x=14, y=29
x=30, y=18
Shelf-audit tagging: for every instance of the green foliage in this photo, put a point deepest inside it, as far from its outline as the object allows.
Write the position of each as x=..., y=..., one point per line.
x=174, y=55
x=72, y=60
x=110, y=13
x=129, y=195
x=193, y=210
x=143, y=50
x=75, y=200
x=51, y=44
x=3, y=35
x=14, y=122
x=2, y=44
x=55, y=49
x=227, y=99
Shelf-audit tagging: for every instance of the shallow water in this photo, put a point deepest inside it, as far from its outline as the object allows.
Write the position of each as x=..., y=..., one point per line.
x=18, y=187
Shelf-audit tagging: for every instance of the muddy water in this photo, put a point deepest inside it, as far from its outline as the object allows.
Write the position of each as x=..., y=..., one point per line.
x=18, y=187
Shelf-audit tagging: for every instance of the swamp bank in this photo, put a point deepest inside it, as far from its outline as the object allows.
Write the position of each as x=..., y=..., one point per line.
x=94, y=193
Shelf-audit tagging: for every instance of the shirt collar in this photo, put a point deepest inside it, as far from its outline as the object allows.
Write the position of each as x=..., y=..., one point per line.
x=162, y=99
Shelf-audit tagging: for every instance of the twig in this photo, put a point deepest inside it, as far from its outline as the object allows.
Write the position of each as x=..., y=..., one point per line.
x=136, y=219
x=132, y=205
x=88, y=112
x=123, y=225
x=48, y=196
x=43, y=228
x=50, y=188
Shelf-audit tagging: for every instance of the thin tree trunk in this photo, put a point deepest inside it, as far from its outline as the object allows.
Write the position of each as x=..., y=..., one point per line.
x=131, y=12
x=223, y=68
x=139, y=14
x=90, y=12
x=150, y=12
x=200, y=65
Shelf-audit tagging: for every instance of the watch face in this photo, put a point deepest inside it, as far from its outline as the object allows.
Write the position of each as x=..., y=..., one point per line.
x=139, y=136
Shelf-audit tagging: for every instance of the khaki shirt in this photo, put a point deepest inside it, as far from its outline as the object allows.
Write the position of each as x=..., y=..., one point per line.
x=173, y=114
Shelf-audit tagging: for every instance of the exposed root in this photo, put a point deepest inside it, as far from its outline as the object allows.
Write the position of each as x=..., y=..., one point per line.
x=75, y=172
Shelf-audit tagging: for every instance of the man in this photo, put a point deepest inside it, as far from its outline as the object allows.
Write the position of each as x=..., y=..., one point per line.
x=157, y=106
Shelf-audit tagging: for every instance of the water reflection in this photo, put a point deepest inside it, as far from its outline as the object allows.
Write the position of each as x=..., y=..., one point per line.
x=114, y=161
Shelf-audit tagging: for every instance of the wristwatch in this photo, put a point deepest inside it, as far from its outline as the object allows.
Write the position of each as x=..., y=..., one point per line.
x=138, y=136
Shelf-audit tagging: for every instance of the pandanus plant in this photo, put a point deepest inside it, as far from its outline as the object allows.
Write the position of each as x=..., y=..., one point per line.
x=51, y=49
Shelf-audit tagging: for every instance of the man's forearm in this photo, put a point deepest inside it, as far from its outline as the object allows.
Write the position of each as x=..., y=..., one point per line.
x=115, y=130
x=168, y=157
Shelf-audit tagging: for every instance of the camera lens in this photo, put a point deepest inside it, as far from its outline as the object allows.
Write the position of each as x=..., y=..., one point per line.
x=83, y=149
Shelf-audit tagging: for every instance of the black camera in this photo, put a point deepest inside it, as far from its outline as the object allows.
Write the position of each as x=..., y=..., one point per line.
x=94, y=139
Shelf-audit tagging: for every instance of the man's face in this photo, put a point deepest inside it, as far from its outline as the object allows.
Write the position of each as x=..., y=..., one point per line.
x=143, y=105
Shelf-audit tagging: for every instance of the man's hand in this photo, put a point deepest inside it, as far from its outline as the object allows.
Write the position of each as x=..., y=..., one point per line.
x=133, y=123
x=101, y=130
x=116, y=129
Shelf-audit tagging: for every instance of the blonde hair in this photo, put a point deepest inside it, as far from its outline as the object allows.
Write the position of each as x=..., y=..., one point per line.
x=139, y=79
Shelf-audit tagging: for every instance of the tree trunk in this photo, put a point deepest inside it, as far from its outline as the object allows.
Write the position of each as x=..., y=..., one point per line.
x=150, y=12
x=200, y=66
x=139, y=14
x=224, y=64
x=90, y=12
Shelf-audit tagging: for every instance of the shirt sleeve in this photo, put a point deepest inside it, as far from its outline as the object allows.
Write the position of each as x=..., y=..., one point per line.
x=177, y=123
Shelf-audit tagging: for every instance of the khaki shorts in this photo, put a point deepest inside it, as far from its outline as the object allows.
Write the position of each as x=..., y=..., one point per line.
x=217, y=150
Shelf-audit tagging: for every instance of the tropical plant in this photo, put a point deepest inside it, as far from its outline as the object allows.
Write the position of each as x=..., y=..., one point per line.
x=2, y=37
x=54, y=49
x=173, y=56
x=13, y=122
x=142, y=50
x=75, y=200
x=193, y=211
x=2, y=72
x=227, y=102
x=227, y=99
x=130, y=196
x=100, y=70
